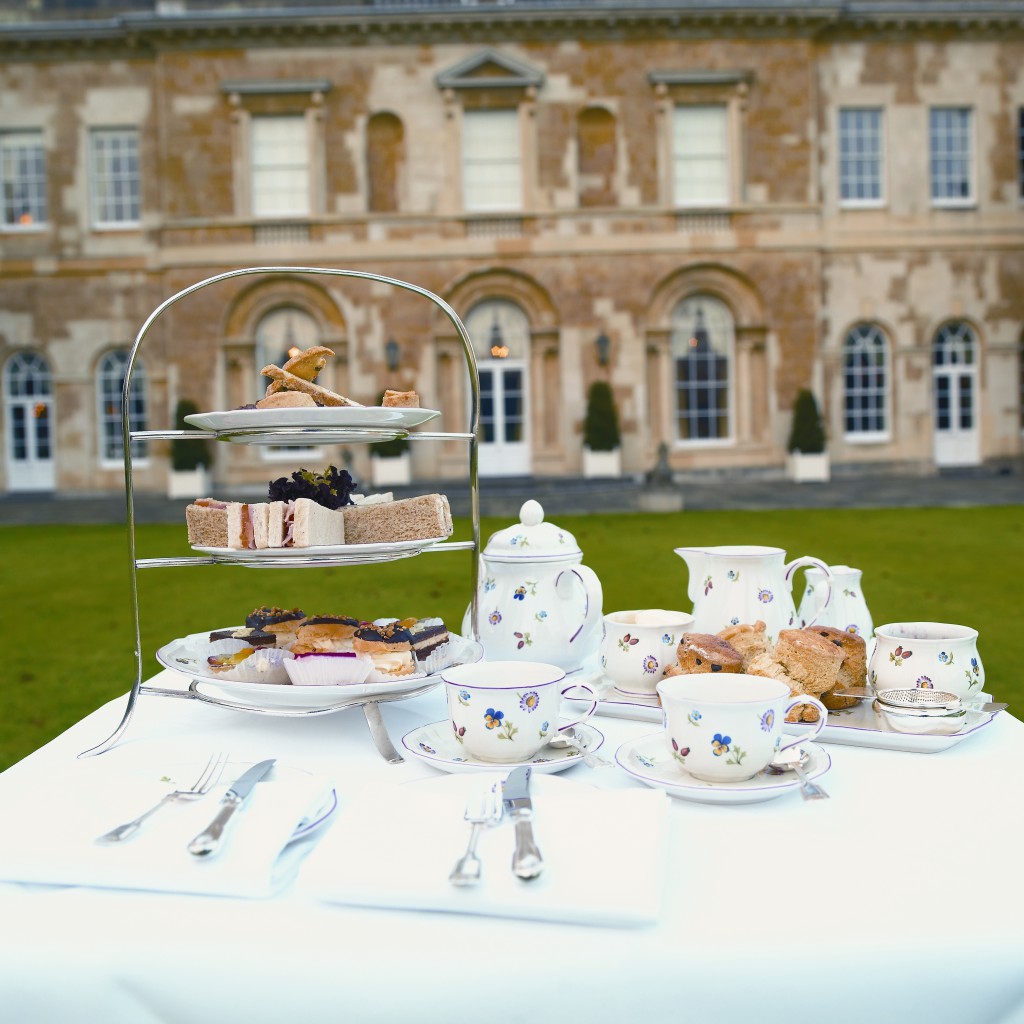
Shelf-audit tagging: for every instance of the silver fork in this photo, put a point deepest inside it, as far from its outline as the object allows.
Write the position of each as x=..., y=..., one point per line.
x=483, y=808
x=207, y=778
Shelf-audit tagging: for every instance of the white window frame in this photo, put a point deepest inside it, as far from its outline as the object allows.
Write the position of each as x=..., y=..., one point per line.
x=866, y=337
x=110, y=372
x=18, y=148
x=123, y=210
x=286, y=165
x=700, y=151
x=725, y=348
x=953, y=202
x=861, y=155
x=492, y=175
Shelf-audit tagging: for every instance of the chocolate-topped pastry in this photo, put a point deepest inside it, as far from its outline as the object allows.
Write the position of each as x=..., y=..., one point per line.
x=277, y=621
x=331, y=633
x=260, y=618
x=389, y=644
x=427, y=635
x=253, y=637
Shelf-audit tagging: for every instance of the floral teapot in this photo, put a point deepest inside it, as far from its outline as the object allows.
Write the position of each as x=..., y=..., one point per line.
x=746, y=583
x=535, y=601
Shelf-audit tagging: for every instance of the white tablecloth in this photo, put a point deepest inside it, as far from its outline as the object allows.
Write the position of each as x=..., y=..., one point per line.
x=901, y=898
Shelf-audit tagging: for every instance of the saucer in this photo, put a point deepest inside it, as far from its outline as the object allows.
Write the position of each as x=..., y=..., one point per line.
x=648, y=760
x=436, y=744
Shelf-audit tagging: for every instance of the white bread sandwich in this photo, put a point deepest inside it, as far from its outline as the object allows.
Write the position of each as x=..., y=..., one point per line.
x=247, y=525
x=226, y=524
x=303, y=523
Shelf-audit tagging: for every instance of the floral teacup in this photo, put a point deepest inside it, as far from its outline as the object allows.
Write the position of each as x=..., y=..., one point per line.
x=728, y=728
x=639, y=645
x=505, y=711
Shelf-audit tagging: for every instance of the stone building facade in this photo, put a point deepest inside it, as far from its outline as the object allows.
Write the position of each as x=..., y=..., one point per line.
x=708, y=207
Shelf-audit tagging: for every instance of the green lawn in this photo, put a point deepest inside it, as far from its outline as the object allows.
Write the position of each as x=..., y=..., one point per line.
x=68, y=633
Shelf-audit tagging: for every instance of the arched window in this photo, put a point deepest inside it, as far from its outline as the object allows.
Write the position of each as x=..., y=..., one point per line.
x=280, y=334
x=595, y=157
x=281, y=331
x=865, y=384
x=385, y=137
x=28, y=388
x=110, y=380
x=954, y=345
x=500, y=332
x=702, y=355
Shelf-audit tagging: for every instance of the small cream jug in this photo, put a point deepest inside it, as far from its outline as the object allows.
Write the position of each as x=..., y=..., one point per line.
x=847, y=610
x=535, y=600
x=746, y=583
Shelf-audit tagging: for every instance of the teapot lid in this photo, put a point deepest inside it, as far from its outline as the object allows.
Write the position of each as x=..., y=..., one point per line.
x=532, y=540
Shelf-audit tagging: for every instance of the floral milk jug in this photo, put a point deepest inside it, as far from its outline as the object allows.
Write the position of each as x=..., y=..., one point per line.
x=847, y=610
x=535, y=600
x=746, y=583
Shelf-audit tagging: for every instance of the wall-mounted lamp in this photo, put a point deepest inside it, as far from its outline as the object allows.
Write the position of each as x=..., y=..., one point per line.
x=603, y=345
x=392, y=353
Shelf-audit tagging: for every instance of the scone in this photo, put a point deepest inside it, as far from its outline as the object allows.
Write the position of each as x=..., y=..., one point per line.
x=705, y=652
x=853, y=670
x=810, y=660
x=748, y=640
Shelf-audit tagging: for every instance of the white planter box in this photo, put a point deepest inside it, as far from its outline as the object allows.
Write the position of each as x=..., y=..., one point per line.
x=392, y=472
x=803, y=468
x=189, y=483
x=602, y=464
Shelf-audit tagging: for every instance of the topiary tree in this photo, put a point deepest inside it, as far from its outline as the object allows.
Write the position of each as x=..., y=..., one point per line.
x=807, y=433
x=601, y=426
x=188, y=452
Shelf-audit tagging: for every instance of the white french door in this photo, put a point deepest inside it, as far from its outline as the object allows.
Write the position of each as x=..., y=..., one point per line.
x=28, y=414
x=955, y=398
x=504, y=446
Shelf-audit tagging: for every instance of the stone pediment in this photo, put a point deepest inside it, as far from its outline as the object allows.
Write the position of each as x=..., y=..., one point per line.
x=489, y=69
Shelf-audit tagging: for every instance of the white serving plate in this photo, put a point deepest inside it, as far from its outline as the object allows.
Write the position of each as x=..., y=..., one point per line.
x=186, y=655
x=325, y=424
x=648, y=760
x=859, y=726
x=862, y=726
x=437, y=746
x=334, y=552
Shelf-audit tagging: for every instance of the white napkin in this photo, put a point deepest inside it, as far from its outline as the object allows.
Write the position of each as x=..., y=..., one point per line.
x=394, y=846
x=56, y=843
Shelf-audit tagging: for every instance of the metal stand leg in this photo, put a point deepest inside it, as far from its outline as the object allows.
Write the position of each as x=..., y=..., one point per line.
x=379, y=732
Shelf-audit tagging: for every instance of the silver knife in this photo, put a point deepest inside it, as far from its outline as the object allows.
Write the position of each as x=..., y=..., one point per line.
x=527, y=862
x=208, y=841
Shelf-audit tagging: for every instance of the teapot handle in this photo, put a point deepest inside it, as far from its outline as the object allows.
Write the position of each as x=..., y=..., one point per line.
x=806, y=560
x=594, y=596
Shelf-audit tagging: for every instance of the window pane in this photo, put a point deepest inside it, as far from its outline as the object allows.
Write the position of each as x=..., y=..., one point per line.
x=23, y=179
x=951, y=154
x=860, y=155
x=701, y=155
x=111, y=383
x=491, y=170
x=865, y=379
x=114, y=165
x=280, y=167
x=702, y=344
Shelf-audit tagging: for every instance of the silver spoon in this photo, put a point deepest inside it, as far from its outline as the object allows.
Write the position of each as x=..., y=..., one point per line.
x=786, y=762
x=567, y=739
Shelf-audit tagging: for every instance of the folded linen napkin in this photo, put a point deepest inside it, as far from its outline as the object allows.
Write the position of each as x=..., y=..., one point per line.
x=394, y=846
x=56, y=843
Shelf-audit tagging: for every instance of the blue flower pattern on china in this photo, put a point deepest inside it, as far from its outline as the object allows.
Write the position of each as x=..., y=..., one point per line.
x=768, y=720
x=732, y=575
x=529, y=701
x=650, y=664
x=765, y=596
x=694, y=717
x=464, y=697
x=494, y=618
x=924, y=683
